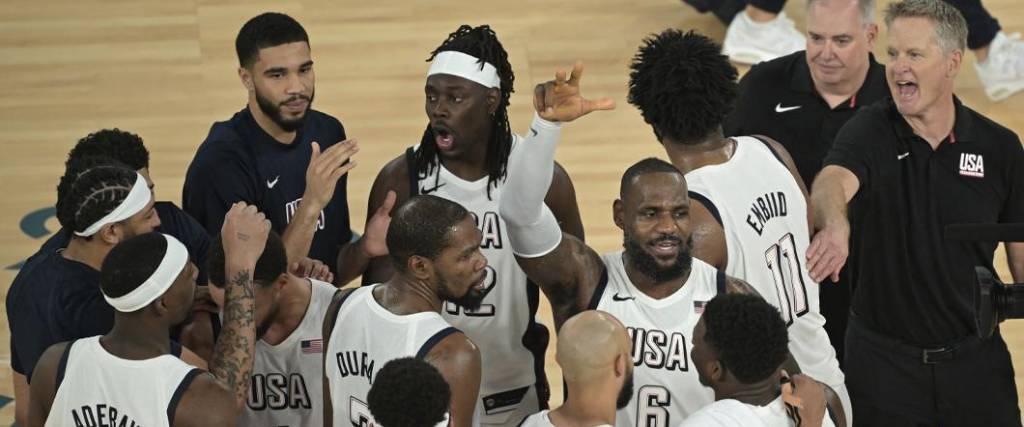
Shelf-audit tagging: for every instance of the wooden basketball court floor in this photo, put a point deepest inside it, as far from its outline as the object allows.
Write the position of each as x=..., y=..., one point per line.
x=167, y=71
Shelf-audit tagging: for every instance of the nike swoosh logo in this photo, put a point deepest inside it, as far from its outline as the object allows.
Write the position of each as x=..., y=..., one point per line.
x=425, y=190
x=780, y=109
x=616, y=297
x=271, y=184
x=902, y=156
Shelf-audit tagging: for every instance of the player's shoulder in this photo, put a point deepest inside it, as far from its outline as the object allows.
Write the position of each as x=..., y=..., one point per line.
x=327, y=129
x=722, y=413
x=41, y=277
x=226, y=134
x=455, y=346
x=205, y=401
x=394, y=175
x=173, y=218
x=49, y=362
x=397, y=168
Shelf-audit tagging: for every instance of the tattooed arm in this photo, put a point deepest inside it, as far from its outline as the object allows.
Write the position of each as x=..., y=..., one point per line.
x=244, y=236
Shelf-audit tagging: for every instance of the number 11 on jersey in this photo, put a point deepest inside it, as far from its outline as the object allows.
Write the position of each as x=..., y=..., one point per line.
x=784, y=263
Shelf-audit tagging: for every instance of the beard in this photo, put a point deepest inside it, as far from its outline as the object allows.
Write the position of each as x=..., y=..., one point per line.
x=625, y=393
x=273, y=111
x=647, y=265
x=471, y=300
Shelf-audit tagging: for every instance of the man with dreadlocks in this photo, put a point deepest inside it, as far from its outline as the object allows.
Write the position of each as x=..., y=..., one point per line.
x=749, y=209
x=463, y=156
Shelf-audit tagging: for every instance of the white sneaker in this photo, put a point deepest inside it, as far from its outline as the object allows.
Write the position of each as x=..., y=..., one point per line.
x=749, y=42
x=1002, y=73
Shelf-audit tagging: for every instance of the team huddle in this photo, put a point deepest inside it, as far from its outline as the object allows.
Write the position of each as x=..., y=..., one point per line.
x=232, y=310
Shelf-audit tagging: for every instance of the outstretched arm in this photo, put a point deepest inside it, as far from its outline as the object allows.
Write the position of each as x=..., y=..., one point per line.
x=558, y=265
x=833, y=189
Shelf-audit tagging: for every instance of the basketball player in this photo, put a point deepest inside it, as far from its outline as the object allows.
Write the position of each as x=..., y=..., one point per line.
x=593, y=351
x=278, y=153
x=409, y=392
x=41, y=282
x=750, y=215
x=126, y=377
x=654, y=287
x=128, y=149
x=435, y=247
x=739, y=346
x=463, y=157
x=287, y=370
x=56, y=295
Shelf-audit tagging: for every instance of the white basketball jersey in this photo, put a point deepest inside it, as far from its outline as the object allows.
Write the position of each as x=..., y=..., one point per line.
x=541, y=419
x=365, y=337
x=506, y=323
x=287, y=378
x=95, y=388
x=764, y=215
x=665, y=380
x=733, y=413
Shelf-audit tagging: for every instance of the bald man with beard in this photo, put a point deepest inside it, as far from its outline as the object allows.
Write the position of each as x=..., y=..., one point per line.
x=594, y=353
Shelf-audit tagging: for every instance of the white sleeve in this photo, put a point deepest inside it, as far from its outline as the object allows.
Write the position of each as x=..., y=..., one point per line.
x=532, y=228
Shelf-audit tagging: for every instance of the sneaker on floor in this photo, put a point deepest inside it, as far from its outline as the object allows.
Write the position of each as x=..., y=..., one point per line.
x=749, y=42
x=1002, y=73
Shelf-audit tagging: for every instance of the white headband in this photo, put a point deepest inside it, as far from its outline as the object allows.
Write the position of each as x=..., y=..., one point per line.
x=466, y=66
x=137, y=200
x=170, y=267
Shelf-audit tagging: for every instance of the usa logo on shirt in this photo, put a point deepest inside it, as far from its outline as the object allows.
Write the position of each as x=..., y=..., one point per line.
x=972, y=165
x=698, y=306
x=313, y=346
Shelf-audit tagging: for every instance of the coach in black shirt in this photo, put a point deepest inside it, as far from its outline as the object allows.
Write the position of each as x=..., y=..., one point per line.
x=911, y=166
x=282, y=156
x=802, y=99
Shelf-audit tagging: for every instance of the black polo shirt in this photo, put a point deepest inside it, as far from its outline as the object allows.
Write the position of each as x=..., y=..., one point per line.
x=777, y=99
x=909, y=282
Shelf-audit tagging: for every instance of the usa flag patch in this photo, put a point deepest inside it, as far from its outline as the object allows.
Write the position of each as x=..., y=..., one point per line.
x=698, y=306
x=313, y=346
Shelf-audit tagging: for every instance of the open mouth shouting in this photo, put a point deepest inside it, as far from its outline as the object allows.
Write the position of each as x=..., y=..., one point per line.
x=443, y=137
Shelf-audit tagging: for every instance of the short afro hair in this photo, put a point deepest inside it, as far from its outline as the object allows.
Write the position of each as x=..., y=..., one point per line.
x=682, y=84
x=748, y=335
x=272, y=264
x=422, y=226
x=408, y=392
x=266, y=30
x=130, y=263
x=644, y=167
x=125, y=147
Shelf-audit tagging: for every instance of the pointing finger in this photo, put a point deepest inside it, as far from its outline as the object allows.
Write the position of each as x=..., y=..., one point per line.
x=577, y=74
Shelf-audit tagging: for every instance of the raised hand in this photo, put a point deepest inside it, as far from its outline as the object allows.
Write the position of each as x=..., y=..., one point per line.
x=375, y=238
x=244, y=234
x=325, y=169
x=560, y=100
